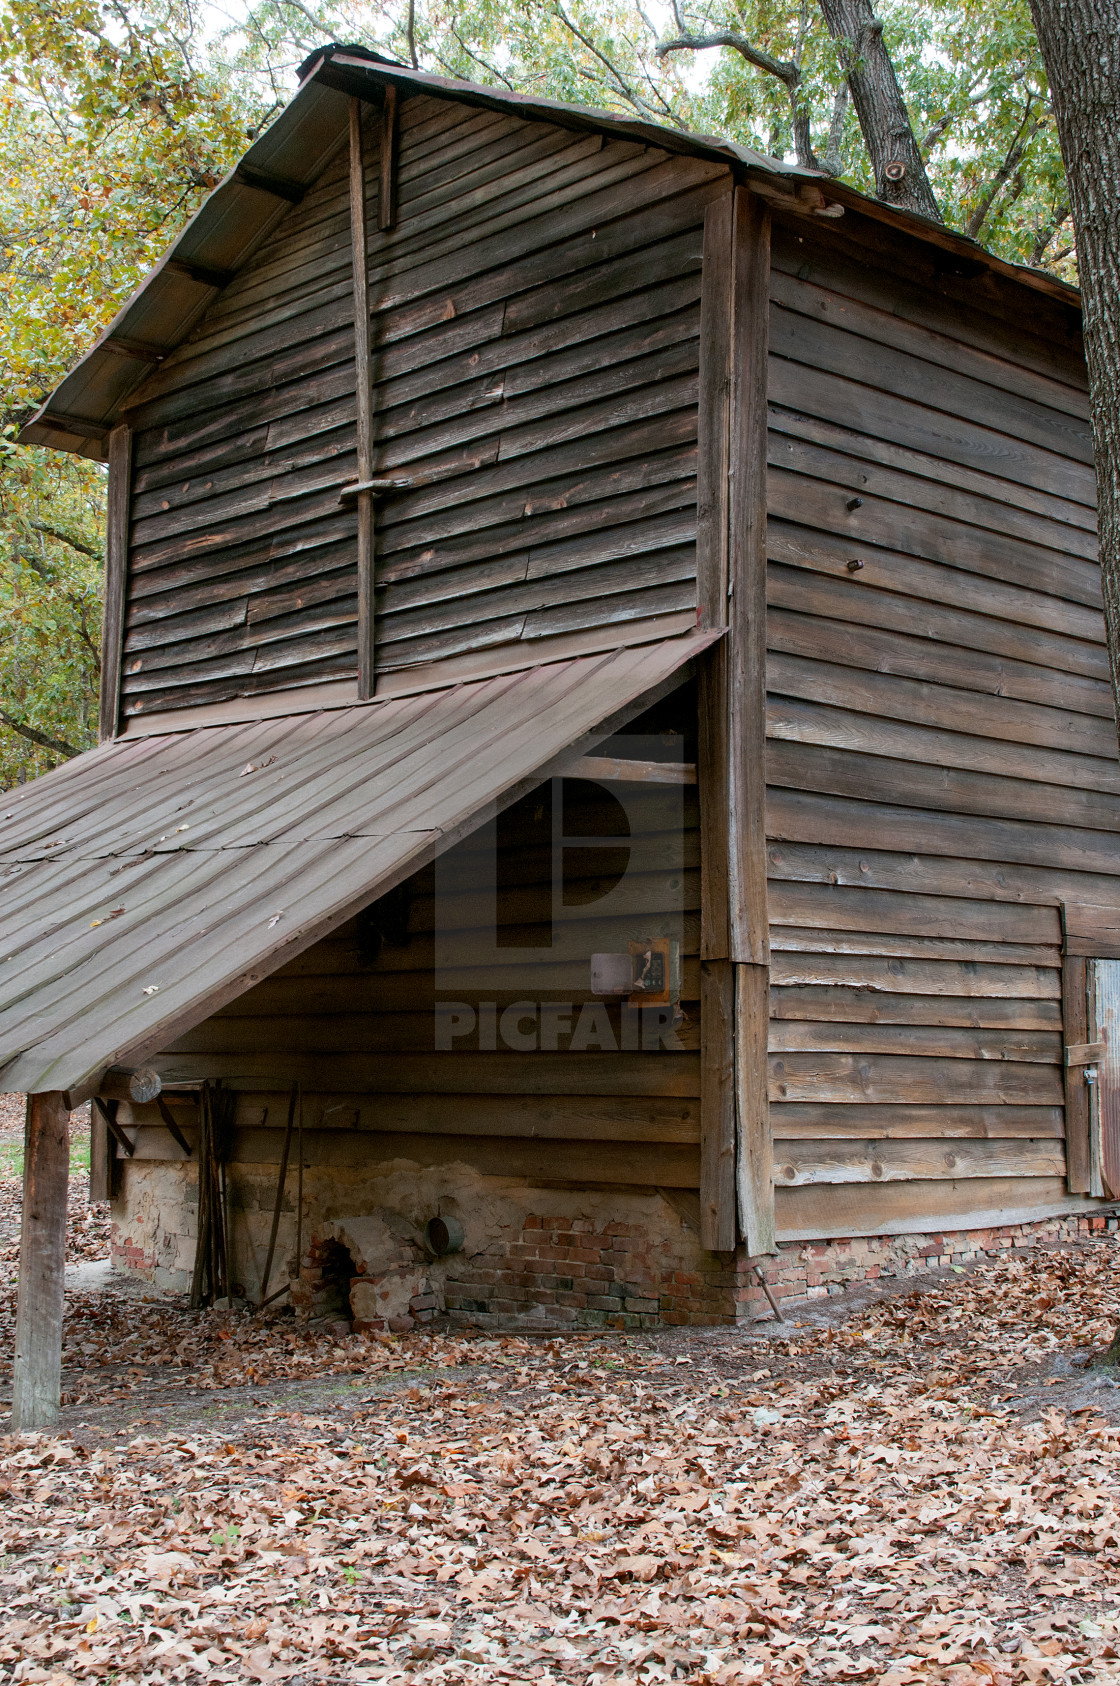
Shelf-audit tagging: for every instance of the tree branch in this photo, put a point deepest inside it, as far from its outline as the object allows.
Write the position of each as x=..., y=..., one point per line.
x=900, y=172
x=58, y=745
x=934, y=134
x=67, y=538
x=1007, y=169
x=1046, y=233
x=781, y=68
x=663, y=109
x=785, y=71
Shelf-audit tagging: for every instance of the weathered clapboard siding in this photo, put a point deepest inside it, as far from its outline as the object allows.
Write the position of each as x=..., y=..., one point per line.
x=353, y=1019
x=942, y=766
x=535, y=347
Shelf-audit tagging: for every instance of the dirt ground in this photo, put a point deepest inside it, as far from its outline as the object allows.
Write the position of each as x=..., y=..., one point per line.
x=909, y=1484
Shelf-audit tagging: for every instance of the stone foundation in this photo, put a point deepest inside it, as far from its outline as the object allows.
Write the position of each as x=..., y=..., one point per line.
x=531, y=1257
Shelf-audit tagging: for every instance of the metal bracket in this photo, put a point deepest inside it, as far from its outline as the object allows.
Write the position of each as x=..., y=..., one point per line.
x=377, y=488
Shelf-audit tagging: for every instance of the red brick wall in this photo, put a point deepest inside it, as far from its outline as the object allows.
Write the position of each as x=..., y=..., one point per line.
x=567, y=1271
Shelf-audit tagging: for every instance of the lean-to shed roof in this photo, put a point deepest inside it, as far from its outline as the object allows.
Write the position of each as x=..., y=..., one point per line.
x=287, y=159
x=153, y=880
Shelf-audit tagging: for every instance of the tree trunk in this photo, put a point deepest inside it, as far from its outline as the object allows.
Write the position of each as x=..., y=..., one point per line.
x=1080, y=41
x=42, y=1263
x=1110, y=1359
x=900, y=174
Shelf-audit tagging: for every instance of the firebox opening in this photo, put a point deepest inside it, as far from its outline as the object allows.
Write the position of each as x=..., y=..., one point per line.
x=337, y=1273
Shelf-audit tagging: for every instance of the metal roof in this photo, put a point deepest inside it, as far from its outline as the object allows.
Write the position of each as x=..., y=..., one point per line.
x=287, y=159
x=153, y=880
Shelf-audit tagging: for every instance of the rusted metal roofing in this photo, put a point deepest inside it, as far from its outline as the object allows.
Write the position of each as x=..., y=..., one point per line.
x=153, y=880
x=287, y=159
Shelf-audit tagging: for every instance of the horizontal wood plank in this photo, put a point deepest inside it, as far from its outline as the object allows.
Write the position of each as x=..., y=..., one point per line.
x=910, y=1161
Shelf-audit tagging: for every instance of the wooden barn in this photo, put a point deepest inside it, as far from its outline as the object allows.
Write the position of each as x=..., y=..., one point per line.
x=608, y=770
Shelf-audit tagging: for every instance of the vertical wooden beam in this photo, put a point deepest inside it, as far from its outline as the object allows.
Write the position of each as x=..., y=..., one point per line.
x=100, y=1151
x=756, y=1151
x=750, y=929
x=36, y=1381
x=390, y=146
x=1075, y=1028
x=749, y=914
x=116, y=580
x=718, y=1225
x=731, y=592
x=364, y=402
x=714, y=414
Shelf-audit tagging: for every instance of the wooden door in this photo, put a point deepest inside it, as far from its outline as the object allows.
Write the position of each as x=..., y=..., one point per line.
x=1104, y=1026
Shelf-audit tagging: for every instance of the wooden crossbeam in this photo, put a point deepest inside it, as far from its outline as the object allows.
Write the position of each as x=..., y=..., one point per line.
x=280, y=187
x=205, y=274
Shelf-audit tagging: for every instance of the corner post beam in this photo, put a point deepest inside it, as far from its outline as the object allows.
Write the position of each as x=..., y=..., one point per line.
x=736, y=1196
x=37, y=1379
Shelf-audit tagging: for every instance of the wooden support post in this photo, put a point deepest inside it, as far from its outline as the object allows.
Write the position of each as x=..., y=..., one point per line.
x=100, y=1157
x=756, y=1153
x=36, y=1382
x=364, y=402
x=750, y=926
x=737, y=1190
x=1075, y=1022
x=390, y=146
x=116, y=580
x=718, y=1228
x=749, y=913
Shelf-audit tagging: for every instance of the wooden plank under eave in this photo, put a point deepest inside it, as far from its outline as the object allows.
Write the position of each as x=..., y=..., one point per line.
x=364, y=400
x=116, y=579
x=1075, y=1028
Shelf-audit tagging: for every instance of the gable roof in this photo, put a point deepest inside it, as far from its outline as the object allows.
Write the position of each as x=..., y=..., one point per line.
x=288, y=158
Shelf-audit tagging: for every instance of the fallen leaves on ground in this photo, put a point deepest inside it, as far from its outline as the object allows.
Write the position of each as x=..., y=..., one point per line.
x=854, y=1503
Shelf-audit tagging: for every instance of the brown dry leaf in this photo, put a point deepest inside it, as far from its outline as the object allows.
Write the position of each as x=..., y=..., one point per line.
x=451, y=1509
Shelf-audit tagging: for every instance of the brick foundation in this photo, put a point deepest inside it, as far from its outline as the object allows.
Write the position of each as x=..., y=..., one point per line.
x=386, y=1288
x=617, y=1259
x=619, y=1276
